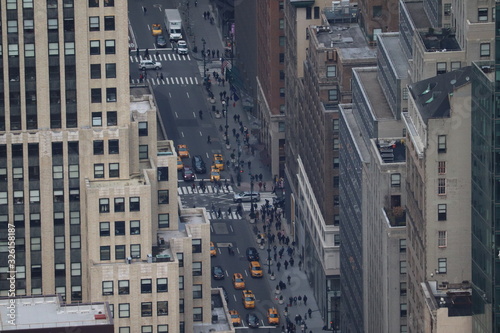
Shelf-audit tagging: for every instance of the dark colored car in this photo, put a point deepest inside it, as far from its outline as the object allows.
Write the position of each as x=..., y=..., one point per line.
x=161, y=41
x=253, y=320
x=198, y=164
x=187, y=174
x=224, y=292
x=252, y=254
x=218, y=273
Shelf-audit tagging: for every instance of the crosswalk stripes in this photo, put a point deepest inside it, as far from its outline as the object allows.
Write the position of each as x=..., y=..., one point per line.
x=263, y=196
x=169, y=80
x=232, y=216
x=208, y=189
x=162, y=57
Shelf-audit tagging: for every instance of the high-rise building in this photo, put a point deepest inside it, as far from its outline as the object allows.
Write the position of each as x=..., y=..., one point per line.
x=88, y=180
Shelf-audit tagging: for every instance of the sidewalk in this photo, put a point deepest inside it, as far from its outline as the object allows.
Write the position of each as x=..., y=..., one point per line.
x=299, y=285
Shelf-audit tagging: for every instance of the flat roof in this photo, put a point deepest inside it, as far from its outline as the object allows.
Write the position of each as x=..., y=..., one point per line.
x=392, y=48
x=417, y=14
x=349, y=40
x=48, y=311
x=376, y=98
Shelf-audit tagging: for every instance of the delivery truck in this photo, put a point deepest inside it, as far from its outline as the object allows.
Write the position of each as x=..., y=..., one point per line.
x=173, y=24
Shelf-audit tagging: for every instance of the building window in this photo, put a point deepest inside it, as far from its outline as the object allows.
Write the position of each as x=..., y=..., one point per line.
x=119, y=228
x=402, y=267
x=59, y=243
x=336, y=219
x=99, y=170
x=281, y=58
x=105, y=253
x=196, y=244
x=440, y=68
x=441, y=186
x=402, y=288
x=163, y=220
x=95, y=72
x=455, y=65
x=485, y=50
x=109, y=23
x=402, y=246
x=98, y=147
x=316, y=12
x=181, y=282
x=76, y=269
x=96, y=95
x=114, y=146
x=162, y=173
x=441, y=167
x=281, y=5
x=336, y=143
x=107, y=288
x=377, y=11
x=442, y=265
x=180, y=259
x=282, y=24
x=95, y=47
x=395, y=180
x=110, y=95
x=96, y=118
x=104, y=229
x=104, y=205
x=336, y=181
x=135, y=227
x=75, y=242
x=26, y=4
x=281, y=126
x=282, y=92
x=119, y=252
x=402, y=309
x=197, y=291
x=36, y=243
x=482, y=14
x=442, y=238
x=123, y=329
x=331, y=71
x=57, y=171
x=282, y=108
x=405, y=93
x=143, y=128
x=282, y=74
x=94, y=23
x=197, y=314
x=442, y=144
x=110, y=71
x=135, y=251
x=74, y=217
x=146, y=286
x=52, y=24
x=403, y=329
x=53, y=49
x=19, y=197
x=114, y=170
x=336, y=240
x=197, y=268
x=109, y=3
x=93, y=3
x=135, y=204
x=147, y=329
x=12, y=26
x=162, y=328
x=442, y=212
x=308, y=13
x=447, y=9
x=336, y=162
x=110, y=46
x=124, y=310
x=333, y=94
x=143, y=152
x=13, y=50
x=163, y=197
x=146, y=309
x=282, y=40
x=123, y=287
x=162, y=308
x=112, y=117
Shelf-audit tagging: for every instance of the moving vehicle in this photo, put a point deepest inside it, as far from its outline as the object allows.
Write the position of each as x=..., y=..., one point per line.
x=218, y=273
x=214, y=174
x=252, y=254
x=255, y=269
x=180, y=164
x=161, y=41
x=235, y=317
x=156, y=29
x=198, y=164
x=182, y=47
x=149, y=64
x=182, y=151
x=248, y=299
x=238, y=281
x=188, y=174
x=253, y=320
x=272, y=316
x=173, y=24
x=213, y=249
x=219, y=161
x=246, y=197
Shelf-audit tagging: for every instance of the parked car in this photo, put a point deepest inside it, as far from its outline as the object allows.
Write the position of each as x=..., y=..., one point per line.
x=253, y=320
x=188, y=174
x=252, y=254
x=149, y=64
x=161, y=41
x=218, y=273
x=246, y=197
x=198, y=164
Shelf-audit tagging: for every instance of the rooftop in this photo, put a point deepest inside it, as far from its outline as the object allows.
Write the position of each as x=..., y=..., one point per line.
x=347, y=38
x=391, y=150
x=342, y=11
x=50, y=312
x=373, y=92
x=457, y=297
x=432, y=95
x=439, y=40
x=220, y=315
x=389, y=42
x=417, y=14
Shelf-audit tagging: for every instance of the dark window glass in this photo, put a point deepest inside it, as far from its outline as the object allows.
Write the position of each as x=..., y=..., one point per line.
x=95, y=71
x=93, y=3
x=98, y=147
x=110, y=94
x=114, y=146
x=105, y=253
x=112, y=118
x=109, y=23
x=96, y=95
x=162, y=173
x=119, y=228
x=110, y=71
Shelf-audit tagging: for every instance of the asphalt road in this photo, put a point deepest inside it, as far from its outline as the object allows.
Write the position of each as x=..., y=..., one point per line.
x=179, y=99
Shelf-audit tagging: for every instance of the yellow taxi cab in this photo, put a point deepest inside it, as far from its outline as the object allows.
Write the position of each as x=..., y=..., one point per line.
x=248, y=299
x=219, y=161
x=238, y=281
x=213, y=249
x=180, y=164
x=156, y=29
x=235, y=317
x=255, y=269
x=182, y=151
x=214, y=174
x=272, y=316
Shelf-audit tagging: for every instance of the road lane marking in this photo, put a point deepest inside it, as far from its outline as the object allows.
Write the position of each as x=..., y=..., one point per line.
x=187, y=94
x=194, y=114
x=207, y=154
x=196, y=80
x=246, y=273
x=201, y=134
x=177, y=80
x=182, y=82
x=231, y=227
x=182, y=133
x=176, y=115
x=168, y=55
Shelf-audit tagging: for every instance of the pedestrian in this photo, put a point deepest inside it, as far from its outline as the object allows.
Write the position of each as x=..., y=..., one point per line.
x=264, y=185
x=208, y=139
x=229, y=211
x=161, y=76
x=213, y=209
x=144, y=9
x=213, y=53
x=138, y=52
x=297, y=319
x=249, y=164
x=193, y=186
x=224, y=93
x=260, y=176
x=204, y=15
x=300, y=300
x=300, y=265
x=217, y=53
x=260, y=186
x=289, y=278
x=291, y=262
x=309, y=311
x=295, y=303
x=305, y=302
x=223, y=81
x=275, y=256
x=286, y=264
x=219, y=213
x=278, y=266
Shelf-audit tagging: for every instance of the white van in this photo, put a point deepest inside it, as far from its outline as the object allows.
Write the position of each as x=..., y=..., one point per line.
x=149, y=64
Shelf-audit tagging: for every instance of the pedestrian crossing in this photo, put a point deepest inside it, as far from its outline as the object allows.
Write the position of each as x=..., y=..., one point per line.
x=161, y=57
x=155, y=81
x=183, y=190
